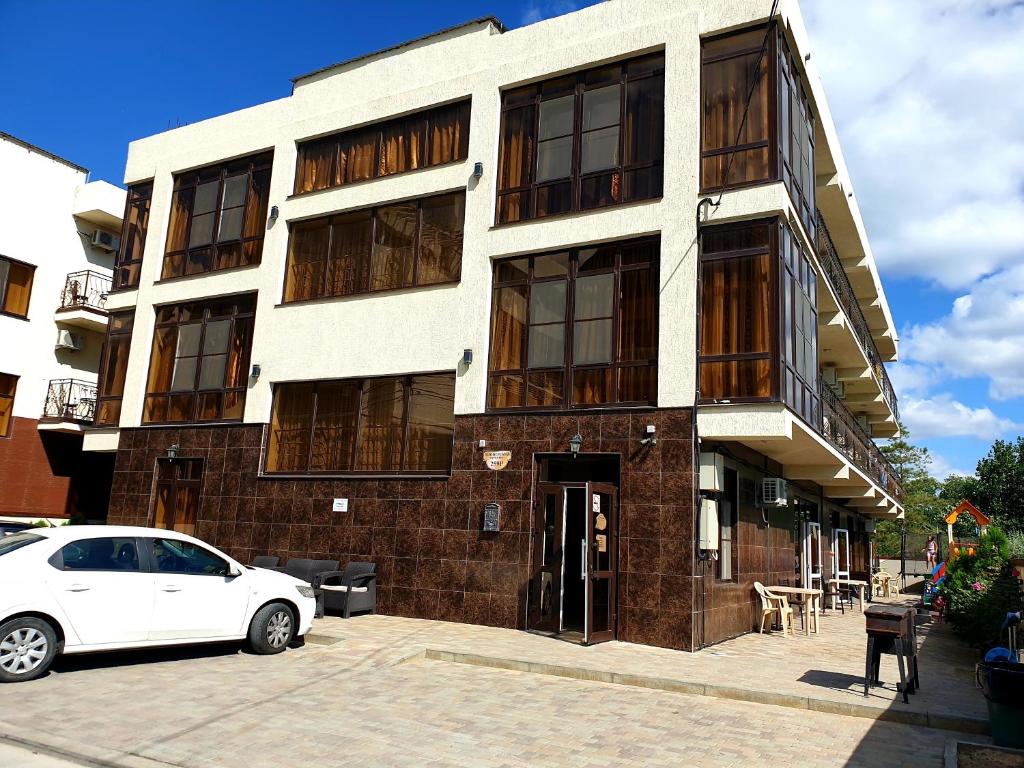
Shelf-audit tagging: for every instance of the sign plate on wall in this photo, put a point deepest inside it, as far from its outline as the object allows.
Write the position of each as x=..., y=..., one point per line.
x=340, y=505
x=596, y=502
x=497, y=459
x=492, y=517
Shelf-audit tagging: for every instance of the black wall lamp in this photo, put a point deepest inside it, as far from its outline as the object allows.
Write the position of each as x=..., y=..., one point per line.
x=575, y=443
x=172, y=452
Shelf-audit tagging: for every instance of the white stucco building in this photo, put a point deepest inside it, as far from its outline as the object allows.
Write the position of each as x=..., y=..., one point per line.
x=58, y=234
x=411, y=283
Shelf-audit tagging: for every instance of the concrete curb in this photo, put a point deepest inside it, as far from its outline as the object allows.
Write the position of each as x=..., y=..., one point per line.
x=945, y=722
x=78, y=753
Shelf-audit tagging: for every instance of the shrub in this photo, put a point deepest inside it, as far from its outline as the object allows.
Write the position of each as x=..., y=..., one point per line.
x=1015, y=542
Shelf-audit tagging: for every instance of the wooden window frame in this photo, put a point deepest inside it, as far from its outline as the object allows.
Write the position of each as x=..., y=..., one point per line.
x=203, y=307
x=381, y=127
x=798, y=272
x=4, y=288
x=128, y=266
x=511, y=100
x=123, y=335
x=407, y=380
x=569, y=366
x=374, y=219
x=8, y=428
x=256, y=163
x=781, y=67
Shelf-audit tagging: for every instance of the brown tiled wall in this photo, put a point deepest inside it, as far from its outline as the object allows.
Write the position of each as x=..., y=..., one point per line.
x=46, y=474
x=433, y=560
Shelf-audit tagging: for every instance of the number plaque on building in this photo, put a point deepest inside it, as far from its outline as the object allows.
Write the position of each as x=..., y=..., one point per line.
x=497, y=459
x=492, y=517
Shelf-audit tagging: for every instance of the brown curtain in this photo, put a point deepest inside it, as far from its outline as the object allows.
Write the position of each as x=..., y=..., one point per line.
x=19, y=288
x=449, y=134
x=440, y=246
x=314, y=165
x=394, y=247
x=237, y=372
x=334, y=426
x=8, y=384
x=181, y=210
x=431, y=423
x=726, y=84
x=356, y=157
x=508, y=324
x=349, y=268
x=307, y=260
x=256, y=205
x=290, y=427
x=380, y=426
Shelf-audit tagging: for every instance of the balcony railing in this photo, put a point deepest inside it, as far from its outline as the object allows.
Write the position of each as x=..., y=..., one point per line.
x=837, y=278
x=841, y=428
x=70, y=400
x=85, y=289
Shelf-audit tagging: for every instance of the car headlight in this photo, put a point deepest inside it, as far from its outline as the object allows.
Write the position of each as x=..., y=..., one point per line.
x=305, y=591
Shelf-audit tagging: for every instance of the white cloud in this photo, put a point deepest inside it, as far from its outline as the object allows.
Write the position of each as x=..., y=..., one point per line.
x=911, y=379
x=941, y=469
x=942, y=416
x=927, y=99
x=982, y=336
x=538, y=11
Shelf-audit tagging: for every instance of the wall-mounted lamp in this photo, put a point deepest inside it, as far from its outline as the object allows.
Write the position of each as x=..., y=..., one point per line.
x=172, y=452
x=478, y=170
x=575, y=442
x=274, y=213
x=650, y=439
x=467, y=356
x=255, y=372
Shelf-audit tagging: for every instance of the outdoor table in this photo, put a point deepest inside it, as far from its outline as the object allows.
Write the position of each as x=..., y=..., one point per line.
x=813, y=603
x=892, y=626
x=860, y=585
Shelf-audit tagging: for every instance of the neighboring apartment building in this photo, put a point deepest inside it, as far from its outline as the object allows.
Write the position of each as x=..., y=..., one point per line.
x=448, y=307
x=58, y=235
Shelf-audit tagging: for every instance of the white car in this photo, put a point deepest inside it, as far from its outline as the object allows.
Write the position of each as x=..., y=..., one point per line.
x=76, y=589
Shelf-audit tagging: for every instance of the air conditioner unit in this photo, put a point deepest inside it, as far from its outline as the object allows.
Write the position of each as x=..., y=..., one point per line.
x=862, y=419
x=105, y=241
x=774, y=492
x=68, y=340
x=869, y=526
x=829, y=375
x=712, y=472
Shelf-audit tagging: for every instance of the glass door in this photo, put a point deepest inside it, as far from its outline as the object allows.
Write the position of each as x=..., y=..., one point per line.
x=601, y=563
x=841, y=559
x=812, y=555
x=546, y=584
x=177, y=494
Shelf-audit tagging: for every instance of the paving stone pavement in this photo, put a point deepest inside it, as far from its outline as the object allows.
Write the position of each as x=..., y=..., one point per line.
x=355, y=702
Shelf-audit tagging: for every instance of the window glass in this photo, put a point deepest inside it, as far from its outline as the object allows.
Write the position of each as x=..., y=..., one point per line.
x=15, y=287
x=184, y=557
x=554, y=159
x=8, y=385
x=101, y=554
x=128, y=262
x=613, y=292
x=17, y=540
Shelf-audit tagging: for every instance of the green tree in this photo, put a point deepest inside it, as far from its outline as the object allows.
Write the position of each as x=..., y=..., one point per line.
x=1000, y=484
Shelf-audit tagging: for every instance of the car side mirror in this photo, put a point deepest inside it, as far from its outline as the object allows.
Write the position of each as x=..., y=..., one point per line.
x=234, y=571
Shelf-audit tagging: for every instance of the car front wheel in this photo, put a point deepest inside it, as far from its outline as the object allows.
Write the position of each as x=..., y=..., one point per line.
x=272, y=628
x=27, y=648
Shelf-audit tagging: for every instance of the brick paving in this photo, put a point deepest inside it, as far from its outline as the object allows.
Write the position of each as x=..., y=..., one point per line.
x=360, y=693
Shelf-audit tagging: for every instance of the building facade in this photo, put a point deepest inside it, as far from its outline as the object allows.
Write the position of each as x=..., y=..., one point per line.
x=58, y=232
x=458, y=308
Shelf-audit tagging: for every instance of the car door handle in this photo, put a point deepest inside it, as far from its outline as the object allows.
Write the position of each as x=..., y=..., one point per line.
x=170, y=588
x=78, y=588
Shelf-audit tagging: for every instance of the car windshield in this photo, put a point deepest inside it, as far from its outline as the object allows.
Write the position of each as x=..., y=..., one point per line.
x=17, y=540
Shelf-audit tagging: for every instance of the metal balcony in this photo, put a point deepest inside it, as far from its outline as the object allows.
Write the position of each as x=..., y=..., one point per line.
x=83, y=300
x=70, y=405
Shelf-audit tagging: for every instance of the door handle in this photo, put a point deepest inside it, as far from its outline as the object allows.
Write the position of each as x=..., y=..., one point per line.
x=583, y=559
x=170, y=588
x=78, y=588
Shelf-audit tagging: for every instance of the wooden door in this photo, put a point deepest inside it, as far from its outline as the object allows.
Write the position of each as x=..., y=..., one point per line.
x=177, y=494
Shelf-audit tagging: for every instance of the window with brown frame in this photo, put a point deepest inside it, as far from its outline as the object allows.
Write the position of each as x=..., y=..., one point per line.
x=199, y=365
x=113, y=368
x=218, y=217
x=799, y=337
x=583, y=141
x=15, y=286
x=408, y=244
x=421, y=140
x=758, y=320
x=776, y=140
x=389, y=425
x=575, y=329
x=8, y=385
x=736, y=317
x=128, y=263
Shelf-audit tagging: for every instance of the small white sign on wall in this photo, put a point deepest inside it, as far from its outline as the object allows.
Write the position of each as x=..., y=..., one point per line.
x=340, y=505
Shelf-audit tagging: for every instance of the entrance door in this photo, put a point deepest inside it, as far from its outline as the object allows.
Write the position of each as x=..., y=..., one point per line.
x=177, y=494
x=575, y=556
x=548, y=541
x=812, y=555
x=602, y=563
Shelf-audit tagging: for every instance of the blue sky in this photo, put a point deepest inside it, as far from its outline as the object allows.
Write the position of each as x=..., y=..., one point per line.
x=925, y=95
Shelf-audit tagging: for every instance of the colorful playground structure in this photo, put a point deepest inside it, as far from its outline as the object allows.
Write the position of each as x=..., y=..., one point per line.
x=955, y=547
